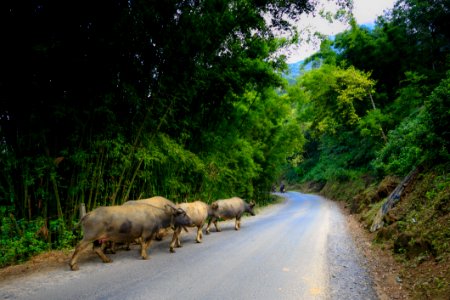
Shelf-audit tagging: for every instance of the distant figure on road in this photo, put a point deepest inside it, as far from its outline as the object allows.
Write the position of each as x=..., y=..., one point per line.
x=282, y=188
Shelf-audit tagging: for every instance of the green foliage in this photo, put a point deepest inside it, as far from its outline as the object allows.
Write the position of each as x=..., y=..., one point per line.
x=370, y=125
x=250, y=154
x=438, y=107
x=326, y=55
x=404, y=126
x=426, y=22
x=421, y=137
x=63, y=236
x=335, y=95
x=22, y=239
x=339, y=161
x=332, y=102
x=19, y=240
x=405, y=147
x=411, y=95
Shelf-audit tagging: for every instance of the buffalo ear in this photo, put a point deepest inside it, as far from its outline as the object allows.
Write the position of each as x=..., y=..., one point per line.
x=252, y=203
x=170, y=209
x=175, y=210
x=180, y=211
x=214, y=206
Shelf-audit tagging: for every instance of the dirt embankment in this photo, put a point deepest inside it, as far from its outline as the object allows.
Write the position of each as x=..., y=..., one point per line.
x=40, y=263
x=409, y=257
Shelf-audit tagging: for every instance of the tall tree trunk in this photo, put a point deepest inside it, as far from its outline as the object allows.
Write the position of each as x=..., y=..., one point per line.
x=56, y=194
x=125, y=198
x=374, y=108
x=99, y=178
x=94, y=181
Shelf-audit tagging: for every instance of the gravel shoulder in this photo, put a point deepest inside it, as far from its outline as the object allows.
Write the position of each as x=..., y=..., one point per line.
x=382, y=266
x=348, y=269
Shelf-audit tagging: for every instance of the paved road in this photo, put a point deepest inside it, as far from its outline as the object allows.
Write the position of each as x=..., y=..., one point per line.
x=299, y=249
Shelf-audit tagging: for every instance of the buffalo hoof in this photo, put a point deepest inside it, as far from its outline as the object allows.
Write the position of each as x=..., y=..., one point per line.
x=74, y=267
x=108, y=261
x=172, y=250
x=207, y=232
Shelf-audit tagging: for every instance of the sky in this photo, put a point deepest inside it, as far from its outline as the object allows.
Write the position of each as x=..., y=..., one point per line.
x=365, y=12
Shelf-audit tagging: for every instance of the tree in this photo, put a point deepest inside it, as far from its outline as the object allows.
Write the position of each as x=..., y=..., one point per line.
x=332, y=101
x=336, y=97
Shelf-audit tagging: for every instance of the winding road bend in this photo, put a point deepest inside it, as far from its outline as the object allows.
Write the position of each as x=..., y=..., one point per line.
x=298, y=249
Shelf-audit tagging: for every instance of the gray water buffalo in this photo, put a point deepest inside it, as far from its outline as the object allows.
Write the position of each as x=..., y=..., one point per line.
x=229, y=209
x=159, y=201
x=156, y=201
x=198, y=212
x=126, y=223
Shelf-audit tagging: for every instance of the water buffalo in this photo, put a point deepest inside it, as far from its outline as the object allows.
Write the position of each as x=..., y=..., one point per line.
x=229, y=209
x=198, y=212
x=126, y=223
x=156, y=201
x=159, y=201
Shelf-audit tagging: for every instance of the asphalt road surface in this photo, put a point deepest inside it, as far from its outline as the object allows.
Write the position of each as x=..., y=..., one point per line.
x=299, y=249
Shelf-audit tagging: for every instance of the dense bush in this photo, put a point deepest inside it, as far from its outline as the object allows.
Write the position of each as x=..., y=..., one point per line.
x=405, y=148
x=22, y=239
x=422, y=137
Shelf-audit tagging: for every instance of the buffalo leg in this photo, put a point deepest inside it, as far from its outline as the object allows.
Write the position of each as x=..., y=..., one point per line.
x=175, y=239
x=145, y=243
x=199, y=234
x=216, y=224
x=212, y=220
x=209, y=225
x=99, y=250
x=80, y=247
x=111, y=246
x=237, y=225
x=128, y=248
x=178, y=244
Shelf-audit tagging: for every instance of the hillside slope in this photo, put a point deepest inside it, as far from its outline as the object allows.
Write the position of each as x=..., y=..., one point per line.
x=416, y=231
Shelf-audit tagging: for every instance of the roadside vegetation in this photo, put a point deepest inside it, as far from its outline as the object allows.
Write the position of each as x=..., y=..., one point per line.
x=187, y=100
